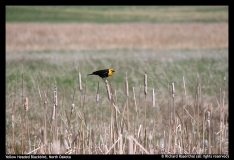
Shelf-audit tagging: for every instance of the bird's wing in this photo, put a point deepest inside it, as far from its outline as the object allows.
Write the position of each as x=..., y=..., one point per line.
x=101, y=72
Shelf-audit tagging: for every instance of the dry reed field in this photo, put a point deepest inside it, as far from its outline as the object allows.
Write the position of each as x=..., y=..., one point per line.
x=46, y=36
x=169, y=94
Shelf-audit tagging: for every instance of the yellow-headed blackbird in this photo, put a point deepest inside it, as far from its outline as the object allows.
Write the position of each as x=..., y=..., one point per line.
x=103, y=73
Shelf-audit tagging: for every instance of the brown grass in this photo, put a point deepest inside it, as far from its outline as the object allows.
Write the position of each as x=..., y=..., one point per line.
x=182, y=133
x=75, y=36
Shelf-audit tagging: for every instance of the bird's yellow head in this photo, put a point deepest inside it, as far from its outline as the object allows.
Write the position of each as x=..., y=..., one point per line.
x=110, y=72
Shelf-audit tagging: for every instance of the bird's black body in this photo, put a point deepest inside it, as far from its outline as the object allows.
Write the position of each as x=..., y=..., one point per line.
x=102, y=73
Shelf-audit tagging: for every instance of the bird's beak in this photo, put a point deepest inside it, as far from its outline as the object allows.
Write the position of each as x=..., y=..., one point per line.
x=113, y=71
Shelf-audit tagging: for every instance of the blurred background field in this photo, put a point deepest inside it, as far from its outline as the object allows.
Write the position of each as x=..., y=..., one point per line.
x=117, y=14
x=49, y=45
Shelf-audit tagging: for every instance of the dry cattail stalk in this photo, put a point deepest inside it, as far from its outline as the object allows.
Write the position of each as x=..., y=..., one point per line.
x=97, y=95
x=173, y=95
x=173, y=90
x=127, y=95
x=13, y=126
x=130, y=145
x=72, y=108
x=209, y=135
x=224, y=78
x=108, y=90
x=53, y=112
x=145, y=83
x=39, y=91
x=120, y=144
x=45, y=95
x=23, y=89
x=145, y=92
x=55, y=96
x=45, y=104
x=164, y=143
x=126, y=86
x=97, y=100
x=79, y=78
x=26, y=104
x=197, y=105
x=134, y=98
x=45, y=134
x=197, y=89
x=42, y=135
x=139, y=131
x=221, y=138
x=203, y=132
x=207, y=118
x=184, y=87
x=12, y=121
x=153, y=98
x=208, y=114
